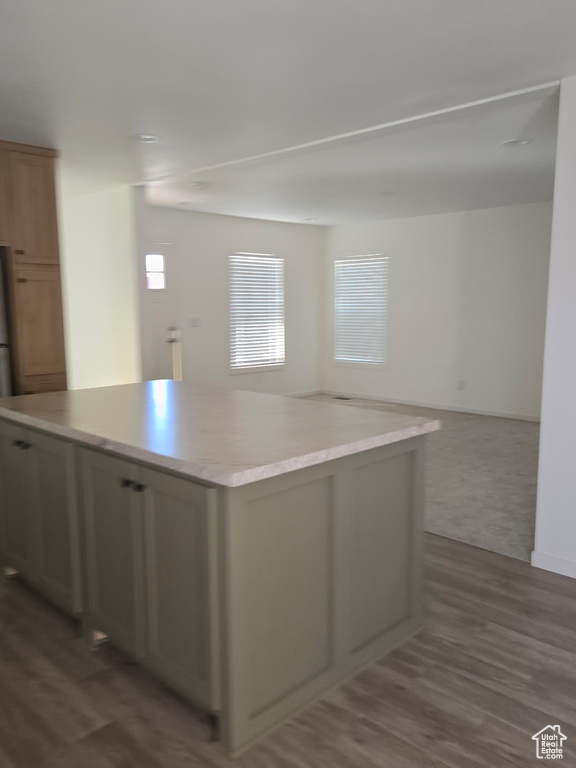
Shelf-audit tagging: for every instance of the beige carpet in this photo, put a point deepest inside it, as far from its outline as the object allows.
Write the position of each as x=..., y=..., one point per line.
x=480, y=478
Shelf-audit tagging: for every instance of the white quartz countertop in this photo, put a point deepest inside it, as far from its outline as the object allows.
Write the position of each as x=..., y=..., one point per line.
x=225, y=437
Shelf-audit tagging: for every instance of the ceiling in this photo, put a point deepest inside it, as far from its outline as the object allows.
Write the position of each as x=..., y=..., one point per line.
x=451, y=162
x=222, y=80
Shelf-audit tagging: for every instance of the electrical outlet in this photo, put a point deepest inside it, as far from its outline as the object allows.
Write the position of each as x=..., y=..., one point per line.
x=461, y=385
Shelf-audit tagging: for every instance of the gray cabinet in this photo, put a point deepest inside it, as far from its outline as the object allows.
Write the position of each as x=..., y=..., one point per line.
x=250, y=600
x=113, y=528
x=180, y=565
x=322, y=576
x=38, y=513
x=151, y=570
x=58, y=558
x=17, y=500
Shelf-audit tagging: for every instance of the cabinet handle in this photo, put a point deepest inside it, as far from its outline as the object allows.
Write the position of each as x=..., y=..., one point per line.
x=125, y=483
x=25, y=446
x=19, y=252
x=21, y=280
x=139, y=487
x=17, y=443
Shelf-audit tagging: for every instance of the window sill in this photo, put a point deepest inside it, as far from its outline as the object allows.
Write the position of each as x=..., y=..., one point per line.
x=346, y=364
x=257, y=369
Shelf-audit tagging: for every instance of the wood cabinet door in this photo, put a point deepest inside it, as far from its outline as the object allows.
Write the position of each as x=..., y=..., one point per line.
x=180, y=565
x=38, y=321
x=113, y=532
x=17, y=502
x=4, y=218
x=35, y=228
x=57, y=568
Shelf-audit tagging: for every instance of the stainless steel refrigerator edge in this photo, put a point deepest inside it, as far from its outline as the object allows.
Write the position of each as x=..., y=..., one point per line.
x=5, y=381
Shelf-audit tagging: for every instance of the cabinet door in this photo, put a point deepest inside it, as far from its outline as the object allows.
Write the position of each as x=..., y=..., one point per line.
x=180, y=541
x=113, y=521
x=4, y=171
x=38, y=321
x=35, y=229
x=57, y=568
x=17, y=502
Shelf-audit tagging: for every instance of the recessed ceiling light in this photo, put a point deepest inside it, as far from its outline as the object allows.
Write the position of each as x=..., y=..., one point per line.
x=147, y=138
x=311, y=219
x=201, y=185
x=516, y=142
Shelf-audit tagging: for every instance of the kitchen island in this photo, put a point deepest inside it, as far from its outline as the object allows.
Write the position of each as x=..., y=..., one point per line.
x=250, y=550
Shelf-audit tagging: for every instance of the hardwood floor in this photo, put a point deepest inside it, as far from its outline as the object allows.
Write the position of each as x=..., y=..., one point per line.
x=495, y=663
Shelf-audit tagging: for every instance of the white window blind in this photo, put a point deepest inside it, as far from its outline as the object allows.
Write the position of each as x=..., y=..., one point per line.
x=361, y=308
x=256, y=311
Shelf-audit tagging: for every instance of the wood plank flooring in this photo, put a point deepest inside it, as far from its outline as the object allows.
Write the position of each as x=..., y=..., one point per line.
x=495, y=663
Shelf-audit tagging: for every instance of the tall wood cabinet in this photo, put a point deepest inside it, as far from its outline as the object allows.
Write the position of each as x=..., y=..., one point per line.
x=29, y=230
x=4, y=166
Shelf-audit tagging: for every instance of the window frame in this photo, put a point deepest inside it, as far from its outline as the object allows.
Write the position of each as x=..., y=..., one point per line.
x=351, y=255
x=234, y=371
x=148, y=272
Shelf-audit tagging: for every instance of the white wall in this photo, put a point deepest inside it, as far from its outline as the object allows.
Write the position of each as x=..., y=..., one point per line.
x=197, y=287
x=468, y=302
x=555, y=547
x=97, y=238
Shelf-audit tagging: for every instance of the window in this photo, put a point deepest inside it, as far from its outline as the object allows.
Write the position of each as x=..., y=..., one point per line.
x=361, y=308
x=256, y=311
x=155, y=276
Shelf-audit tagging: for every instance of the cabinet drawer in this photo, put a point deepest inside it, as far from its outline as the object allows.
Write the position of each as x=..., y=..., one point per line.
x=31, y=385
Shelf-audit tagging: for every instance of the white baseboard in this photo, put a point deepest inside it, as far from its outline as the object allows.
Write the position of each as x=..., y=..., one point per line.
x=420, y=404
x=554, y=564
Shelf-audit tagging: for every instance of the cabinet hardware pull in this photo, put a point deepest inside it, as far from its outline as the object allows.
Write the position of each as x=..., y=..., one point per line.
x=139, y=487
x=25, y=446
x=125, y=483
x=19, y=252
x=21, y=280
x=17, y=443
